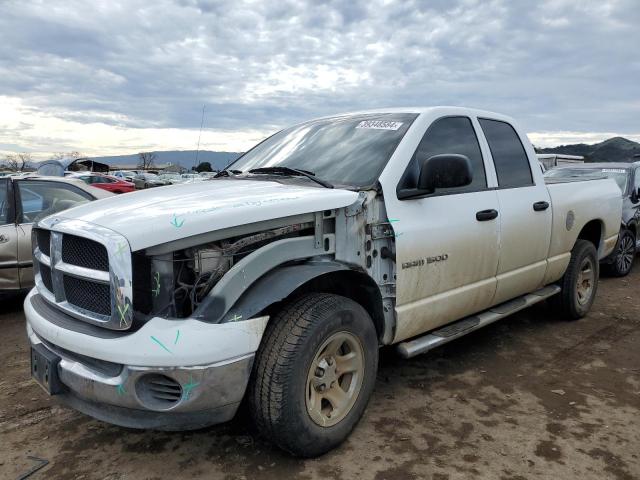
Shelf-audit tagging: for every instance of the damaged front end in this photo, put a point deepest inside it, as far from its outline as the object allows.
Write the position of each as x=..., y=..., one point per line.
x=175, y=284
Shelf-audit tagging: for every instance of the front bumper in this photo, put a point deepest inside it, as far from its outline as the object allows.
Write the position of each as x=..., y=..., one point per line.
x=125, y=395
x=169, y=391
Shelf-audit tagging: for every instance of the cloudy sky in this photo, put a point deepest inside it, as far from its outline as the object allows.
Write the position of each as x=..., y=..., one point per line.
x=119, y=77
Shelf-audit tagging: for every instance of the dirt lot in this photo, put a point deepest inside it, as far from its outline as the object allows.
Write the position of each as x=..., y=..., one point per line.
x=532, y=397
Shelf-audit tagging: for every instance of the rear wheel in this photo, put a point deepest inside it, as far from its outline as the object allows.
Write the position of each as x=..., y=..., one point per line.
x=623, y=257
x=314, y=373
x=580, y=282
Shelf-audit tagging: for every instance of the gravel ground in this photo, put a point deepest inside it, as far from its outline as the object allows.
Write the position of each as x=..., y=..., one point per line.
x=533, y=396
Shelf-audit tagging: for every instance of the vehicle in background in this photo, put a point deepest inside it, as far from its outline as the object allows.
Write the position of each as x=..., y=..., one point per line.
x=208, y=175
x=6, y=174
x=24, y=201
x=106, y=182
x=278, y=281
x=127, y=175
x=148, y=180
x=172, y=178
x=627, y=176
x=552, y=160
x=191, y=177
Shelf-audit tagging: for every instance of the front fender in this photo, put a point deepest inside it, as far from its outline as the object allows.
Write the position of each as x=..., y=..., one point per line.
x=277, y=285
x=252, y=268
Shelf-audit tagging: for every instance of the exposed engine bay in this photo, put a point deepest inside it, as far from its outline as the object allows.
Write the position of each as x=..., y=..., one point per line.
x=179, y=281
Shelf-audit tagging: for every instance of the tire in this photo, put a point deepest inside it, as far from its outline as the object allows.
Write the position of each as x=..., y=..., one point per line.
x=287, y=396
x=623, y=256
x=575, y=299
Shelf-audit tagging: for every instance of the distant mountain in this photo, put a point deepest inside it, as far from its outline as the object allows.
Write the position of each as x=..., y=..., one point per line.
x=185, y=158
x=616, y=149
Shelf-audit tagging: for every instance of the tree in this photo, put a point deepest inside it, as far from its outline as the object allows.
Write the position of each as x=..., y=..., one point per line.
x=146, y=160
x=17, y=161
x=204, y=167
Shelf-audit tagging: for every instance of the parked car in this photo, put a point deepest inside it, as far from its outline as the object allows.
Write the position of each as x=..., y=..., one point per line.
x=127, y=175
x=278, y=281
x=24, y=201
x=171, y=178
x=148, y=180
x=627, y=176
x=107, y=182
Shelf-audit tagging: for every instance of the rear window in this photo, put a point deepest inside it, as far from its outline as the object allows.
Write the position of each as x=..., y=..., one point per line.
x=509, y=156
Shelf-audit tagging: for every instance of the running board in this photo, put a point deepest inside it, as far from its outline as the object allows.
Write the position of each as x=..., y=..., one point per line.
x=457, y=329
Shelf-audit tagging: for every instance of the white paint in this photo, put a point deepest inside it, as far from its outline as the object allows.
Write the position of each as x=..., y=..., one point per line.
x=162, y=214
x=198, y=343
x=489, y=262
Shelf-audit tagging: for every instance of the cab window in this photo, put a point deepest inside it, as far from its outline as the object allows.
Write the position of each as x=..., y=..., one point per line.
x=509, y=157
x=39, y=199
x=449, y=135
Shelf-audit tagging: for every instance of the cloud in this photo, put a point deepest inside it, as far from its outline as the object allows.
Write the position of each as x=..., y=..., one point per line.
x=107, y=76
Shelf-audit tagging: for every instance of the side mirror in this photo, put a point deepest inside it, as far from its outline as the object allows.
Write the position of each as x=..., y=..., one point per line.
x=448, y=170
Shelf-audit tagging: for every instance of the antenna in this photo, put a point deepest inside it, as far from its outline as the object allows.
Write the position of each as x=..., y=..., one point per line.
x=199, y=135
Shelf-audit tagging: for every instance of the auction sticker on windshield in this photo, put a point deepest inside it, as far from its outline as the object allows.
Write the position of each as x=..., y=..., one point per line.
x=612, y=170
x=379, y=125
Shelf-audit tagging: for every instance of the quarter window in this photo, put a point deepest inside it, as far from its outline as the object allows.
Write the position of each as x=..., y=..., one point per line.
x=449, y=135
x=509, y=156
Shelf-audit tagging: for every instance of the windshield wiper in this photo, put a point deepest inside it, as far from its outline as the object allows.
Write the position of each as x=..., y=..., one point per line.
x=292, y=172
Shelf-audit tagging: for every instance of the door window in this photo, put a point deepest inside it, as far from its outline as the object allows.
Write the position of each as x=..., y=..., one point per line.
x=5, y=203
x=449, y=135
x=39, y=199
x=509, y=156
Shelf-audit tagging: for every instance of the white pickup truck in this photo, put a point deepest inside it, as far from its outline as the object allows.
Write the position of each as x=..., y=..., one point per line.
x=279, y=280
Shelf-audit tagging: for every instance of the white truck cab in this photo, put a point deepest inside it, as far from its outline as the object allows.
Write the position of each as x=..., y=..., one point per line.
x=280, y=279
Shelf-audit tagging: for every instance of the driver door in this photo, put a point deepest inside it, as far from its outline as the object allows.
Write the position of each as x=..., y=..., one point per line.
x=446, y=254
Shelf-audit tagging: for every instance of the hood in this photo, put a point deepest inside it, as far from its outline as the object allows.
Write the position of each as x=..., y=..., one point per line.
x=164, y=214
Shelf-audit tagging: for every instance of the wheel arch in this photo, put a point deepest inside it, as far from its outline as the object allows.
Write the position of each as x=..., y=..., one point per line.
x=285, y=284
x=593, y=231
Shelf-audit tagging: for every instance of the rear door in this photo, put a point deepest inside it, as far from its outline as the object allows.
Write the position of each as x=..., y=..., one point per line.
x=9, y=279
x=446, y=256
x=525, y=213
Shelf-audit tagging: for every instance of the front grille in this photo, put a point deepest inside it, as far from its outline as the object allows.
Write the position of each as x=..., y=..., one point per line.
x=84, y=253
x=79, y=276
x=43, y=240
x=45, y=274
x=91, y=296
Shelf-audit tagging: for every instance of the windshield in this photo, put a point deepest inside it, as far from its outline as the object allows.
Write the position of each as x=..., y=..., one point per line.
x=620, y=175
x=348, y=150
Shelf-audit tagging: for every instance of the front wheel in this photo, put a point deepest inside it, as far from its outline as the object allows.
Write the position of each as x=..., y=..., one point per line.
x=314, y=373
x=580, y=282
x=624, y=255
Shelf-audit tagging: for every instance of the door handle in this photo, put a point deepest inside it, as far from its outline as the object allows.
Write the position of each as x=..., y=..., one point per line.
x=3, y=239
x=540, y=206
x=484, y=215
